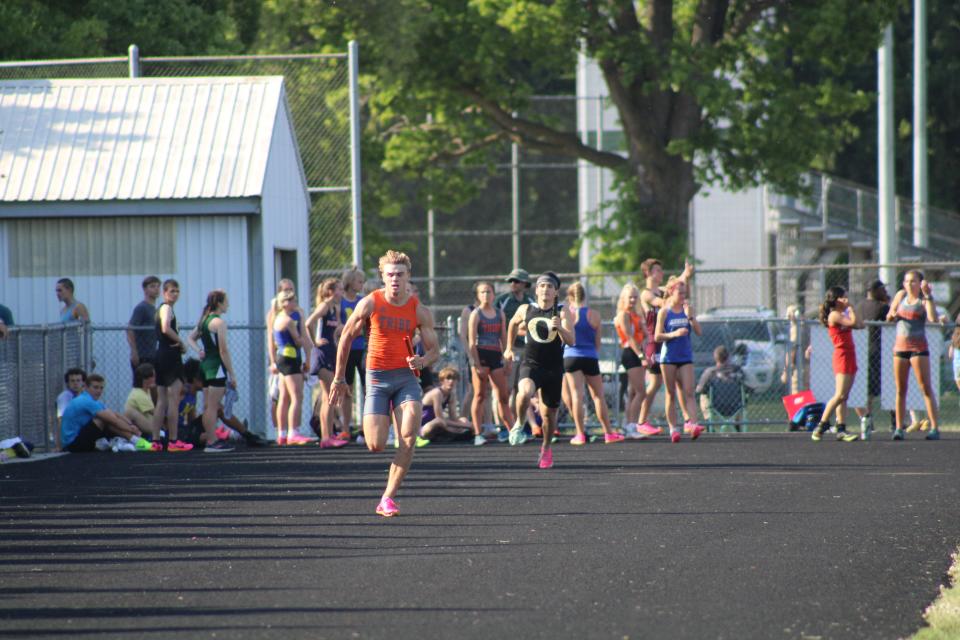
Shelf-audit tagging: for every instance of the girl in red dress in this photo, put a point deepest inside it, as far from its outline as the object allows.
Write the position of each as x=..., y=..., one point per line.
x=839, y=317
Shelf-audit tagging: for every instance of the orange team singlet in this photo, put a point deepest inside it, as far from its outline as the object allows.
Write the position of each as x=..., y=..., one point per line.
x=388, y=326
x=637, y=334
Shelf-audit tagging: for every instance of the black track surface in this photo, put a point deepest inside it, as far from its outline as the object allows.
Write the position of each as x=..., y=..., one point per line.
x=740, y=536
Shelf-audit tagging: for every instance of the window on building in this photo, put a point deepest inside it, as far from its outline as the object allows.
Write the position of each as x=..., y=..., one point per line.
x=52, y=247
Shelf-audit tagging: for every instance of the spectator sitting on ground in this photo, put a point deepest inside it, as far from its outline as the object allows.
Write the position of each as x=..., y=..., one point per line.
x=191, y=409
x=72, y=311
x=139, y=406
x=86, y=420
x=723, y=372
x=74, y=380
x=440, y=420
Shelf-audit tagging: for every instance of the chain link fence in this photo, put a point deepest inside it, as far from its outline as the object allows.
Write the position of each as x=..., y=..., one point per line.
x=779, y=354
x=32, y=363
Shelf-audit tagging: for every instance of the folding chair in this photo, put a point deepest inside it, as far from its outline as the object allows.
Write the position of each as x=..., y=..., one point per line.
x=727, y=399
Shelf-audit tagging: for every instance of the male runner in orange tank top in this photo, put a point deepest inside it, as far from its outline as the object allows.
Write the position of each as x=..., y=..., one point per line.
x=392, y=315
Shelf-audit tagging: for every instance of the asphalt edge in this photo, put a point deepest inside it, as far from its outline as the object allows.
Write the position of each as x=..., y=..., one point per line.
x=943, y=615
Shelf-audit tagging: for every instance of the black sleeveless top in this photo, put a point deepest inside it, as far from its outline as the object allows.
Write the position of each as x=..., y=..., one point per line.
x=164, y=343
x=544, y=346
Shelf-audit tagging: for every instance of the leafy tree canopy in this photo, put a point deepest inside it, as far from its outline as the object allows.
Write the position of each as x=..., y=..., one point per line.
x=707, y=91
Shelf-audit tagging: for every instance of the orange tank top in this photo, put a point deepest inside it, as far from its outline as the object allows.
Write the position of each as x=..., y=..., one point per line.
x=388, y=325
x=637, y=334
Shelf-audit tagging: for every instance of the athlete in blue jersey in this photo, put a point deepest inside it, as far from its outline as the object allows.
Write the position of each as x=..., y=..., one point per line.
x=675, y=320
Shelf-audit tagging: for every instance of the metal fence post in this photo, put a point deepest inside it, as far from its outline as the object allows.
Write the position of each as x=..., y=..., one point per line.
x=44, y=391
x=19, y=425
x=133, y=61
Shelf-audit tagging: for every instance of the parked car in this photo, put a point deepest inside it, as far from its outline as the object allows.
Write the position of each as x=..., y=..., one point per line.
x=757, y=341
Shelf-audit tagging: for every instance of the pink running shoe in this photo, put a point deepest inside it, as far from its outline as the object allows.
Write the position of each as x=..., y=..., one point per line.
x=694, y=430
x=296, y=440
x=578, y=440
x=387, y=507
x=675, y=436
x=648, y=429
x=613, y=436
x=222, y=433
x=332, y=443
x=179, y=445
x=281, y=441
x=546, y=459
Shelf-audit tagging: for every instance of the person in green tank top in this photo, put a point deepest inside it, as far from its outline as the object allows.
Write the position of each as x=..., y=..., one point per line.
x=215, y=364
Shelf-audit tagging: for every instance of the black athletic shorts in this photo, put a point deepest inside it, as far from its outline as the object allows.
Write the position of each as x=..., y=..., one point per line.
x=678, y=365
x=589, y=366
x=215, y=382
x=906, y=355
x=289, y=366
x=357, y=362
x=548, y=381
x=654, y=368
x=86, y=438
x=490, y=358
x=169, y=368
x=630, y=360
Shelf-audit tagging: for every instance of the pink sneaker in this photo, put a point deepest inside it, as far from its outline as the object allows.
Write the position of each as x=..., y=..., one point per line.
x=648, y=429
x=387, y=507
x=694, y=430
x=546, y=459
x=578, y=440
x=332, y=443
x=296, y=440
x=612, y=437
x=222, y=433
x=281, y=441
x=675, y=436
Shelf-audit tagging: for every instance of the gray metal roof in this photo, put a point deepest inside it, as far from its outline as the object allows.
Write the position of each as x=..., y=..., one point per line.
x=136, y=139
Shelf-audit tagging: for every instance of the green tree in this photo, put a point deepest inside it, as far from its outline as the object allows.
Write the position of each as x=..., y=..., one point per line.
x=707, y=91
x=38, y=29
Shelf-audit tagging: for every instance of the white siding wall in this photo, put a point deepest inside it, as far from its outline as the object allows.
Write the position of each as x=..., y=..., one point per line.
x=285, y=208
x=728, y=232
x=211, y=253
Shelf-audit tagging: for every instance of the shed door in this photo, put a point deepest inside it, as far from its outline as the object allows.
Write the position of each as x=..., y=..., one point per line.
x=285, y=265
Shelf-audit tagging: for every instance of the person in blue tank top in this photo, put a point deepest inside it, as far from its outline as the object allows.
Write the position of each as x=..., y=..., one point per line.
x=675, y=320
x=581, y=364
x=289, y=337
x=353, y=280
x=73, y=310
x=324, y=326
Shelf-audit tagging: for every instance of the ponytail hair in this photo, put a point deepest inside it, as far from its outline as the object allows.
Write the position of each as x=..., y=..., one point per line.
x=576, y=294
x=830, y=303
x=330, y=284
x=214, y=299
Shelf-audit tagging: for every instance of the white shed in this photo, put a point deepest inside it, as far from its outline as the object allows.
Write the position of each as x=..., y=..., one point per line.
x=107, y=181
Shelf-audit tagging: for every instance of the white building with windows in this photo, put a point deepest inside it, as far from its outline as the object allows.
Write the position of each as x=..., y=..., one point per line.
x=106, y=181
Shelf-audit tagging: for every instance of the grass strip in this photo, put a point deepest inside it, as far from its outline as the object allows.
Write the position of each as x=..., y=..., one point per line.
x=943, y=616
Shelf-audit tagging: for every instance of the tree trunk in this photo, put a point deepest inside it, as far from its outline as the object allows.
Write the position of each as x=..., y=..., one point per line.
x=665, y=187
